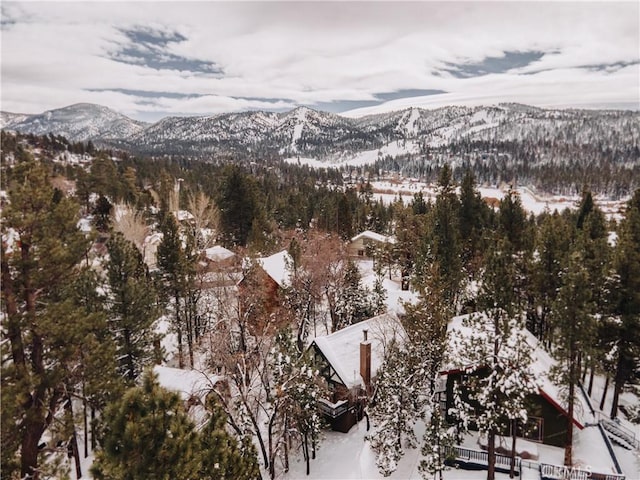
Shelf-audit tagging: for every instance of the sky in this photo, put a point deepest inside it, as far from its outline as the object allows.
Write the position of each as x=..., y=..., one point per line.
x=149, y=60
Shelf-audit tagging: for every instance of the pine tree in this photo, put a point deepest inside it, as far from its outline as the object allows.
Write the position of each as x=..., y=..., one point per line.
x=176, y=265
x=223, y=457
x=398, y=404
x=473, y=218
x=40, y=253
x=573, y=334
x=498, y=391
x=444, y=247
x=406, y=383
x=626, y=300
x=295, y=390
x=132, y=306
x=553, y=242
x=239, y=204
x=354, y=303
x=147, y=434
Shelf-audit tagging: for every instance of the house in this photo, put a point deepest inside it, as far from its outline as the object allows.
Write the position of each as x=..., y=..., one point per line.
x=278, y=268
x=193, y=387
x=273, y=274
x=217, y=257
x=349, y=360
x=362, y=244
x=548, y=417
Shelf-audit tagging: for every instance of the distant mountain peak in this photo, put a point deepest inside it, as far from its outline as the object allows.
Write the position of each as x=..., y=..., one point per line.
x=325, y=136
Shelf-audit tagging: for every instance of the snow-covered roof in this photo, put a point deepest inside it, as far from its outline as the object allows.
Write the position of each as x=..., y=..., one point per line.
x=277, y=267
x=543, y=362
x=154, y=238
x=185, y=382
x=218, y=253
x=84, y=224
x=188, y=384
x=377, y=237
x=183, y=215
x=342, y=348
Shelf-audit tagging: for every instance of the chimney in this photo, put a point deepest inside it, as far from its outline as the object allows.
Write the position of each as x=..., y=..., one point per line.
x=365, y=362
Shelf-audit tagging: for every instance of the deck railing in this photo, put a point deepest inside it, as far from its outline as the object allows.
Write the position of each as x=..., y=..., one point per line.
x=480, y=457
x=333, y=410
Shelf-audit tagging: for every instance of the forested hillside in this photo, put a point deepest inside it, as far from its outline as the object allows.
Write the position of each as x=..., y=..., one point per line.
x=107, y=271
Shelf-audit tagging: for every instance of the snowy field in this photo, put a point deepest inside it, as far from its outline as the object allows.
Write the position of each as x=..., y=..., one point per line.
x=388, y=191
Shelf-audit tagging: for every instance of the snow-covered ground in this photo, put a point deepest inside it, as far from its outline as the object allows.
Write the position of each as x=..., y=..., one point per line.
x=396, y=297
x=349, y=456
x=536, y=203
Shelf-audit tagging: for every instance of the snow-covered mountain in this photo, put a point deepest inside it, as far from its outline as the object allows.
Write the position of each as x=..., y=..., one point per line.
x=79, y=123
x=8, y=119
x=308, y=133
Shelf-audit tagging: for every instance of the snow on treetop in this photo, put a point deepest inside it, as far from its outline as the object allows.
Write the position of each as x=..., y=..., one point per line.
x=542, y=365
x=342, y=348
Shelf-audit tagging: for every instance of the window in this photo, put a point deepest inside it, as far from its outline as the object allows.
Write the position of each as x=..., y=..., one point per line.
x=533, y=430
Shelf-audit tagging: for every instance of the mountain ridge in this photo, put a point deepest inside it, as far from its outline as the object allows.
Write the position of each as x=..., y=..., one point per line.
x=326, y=136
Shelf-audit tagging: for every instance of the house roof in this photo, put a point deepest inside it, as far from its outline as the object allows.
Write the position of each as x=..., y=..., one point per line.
x=184, y=215
x=185, y=382
x=543, y=362
x=374, y=236
x=342, y=348
x=277, y=267
x=188, y=384
x=218, y=253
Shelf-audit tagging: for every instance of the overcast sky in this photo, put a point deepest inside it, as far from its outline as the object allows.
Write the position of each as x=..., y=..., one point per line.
x=149, y=59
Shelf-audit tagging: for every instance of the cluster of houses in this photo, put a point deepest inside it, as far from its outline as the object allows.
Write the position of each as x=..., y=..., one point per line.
x=349, y=360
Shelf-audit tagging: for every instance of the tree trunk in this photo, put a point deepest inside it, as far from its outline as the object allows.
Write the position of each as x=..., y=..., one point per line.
x=85, y=426
x=176, y=299
x=75, y=451
x=617, y=390
x=128, y=349
x=568, y=449
x=272, y=450
x=29, y=449
x=591, y=376
x=491, y=455
x=263, y=449
x=604, y=391
x=306, y=449
x=313, y=447
x=514, y=426
x=286, y=446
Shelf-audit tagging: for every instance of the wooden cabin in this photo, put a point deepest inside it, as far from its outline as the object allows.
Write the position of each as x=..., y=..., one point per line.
x=350, y=359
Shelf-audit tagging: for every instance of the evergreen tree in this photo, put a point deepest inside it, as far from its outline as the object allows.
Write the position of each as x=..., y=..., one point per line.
x=626, y=300
x=473, y=217
x=444, y=247
x=573, y=334
x=553, y=243
x=512, y=221
x=295, y=390
x=398, y=405
x=406, y=384
x=239, y=204
x=176, y=264
x=223, y=457
x=354, y=302
x=497, y=393
x=132, y=306
x=148, y=435
x=41, y=248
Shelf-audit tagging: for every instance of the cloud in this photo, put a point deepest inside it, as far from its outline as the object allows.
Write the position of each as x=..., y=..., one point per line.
x=146, y=58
